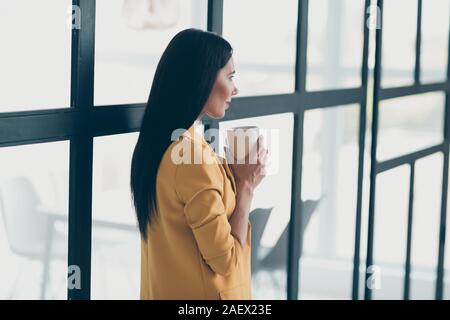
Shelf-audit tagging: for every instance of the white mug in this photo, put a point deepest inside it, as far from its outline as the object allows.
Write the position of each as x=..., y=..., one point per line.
x=242, y=141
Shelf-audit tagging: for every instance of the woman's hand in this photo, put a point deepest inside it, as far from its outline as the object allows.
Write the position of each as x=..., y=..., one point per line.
x=249, y=175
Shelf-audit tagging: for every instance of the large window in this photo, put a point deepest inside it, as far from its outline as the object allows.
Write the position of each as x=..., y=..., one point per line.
x=399, y=41
x=435, y=29
x=130, y=39
x=34, y=184
x=335, y=44
x=270, y=212
x=115, y=243
x=35, y=54
x=410, y=123
x=359, y=176
x=405, y=256
x=264, y=50
x=390, y=232
x=329, y=189
x=425, y=226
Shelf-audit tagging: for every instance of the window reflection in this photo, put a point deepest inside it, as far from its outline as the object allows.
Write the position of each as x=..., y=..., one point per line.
x=409, y=124
x=335, y=43
x=35, y=54
x=264, y=47
x=399, y=42
x=270, y=210
x=116, y=240
x=434, y=51
x=329, y=190
x=33, y=221
x=426, y=220
x=390, y=230
x=131, y=35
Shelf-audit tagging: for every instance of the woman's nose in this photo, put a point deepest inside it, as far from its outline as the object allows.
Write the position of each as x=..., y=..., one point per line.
x=235, y=91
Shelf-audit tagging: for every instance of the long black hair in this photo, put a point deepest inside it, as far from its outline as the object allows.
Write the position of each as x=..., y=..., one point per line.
x=181, y=86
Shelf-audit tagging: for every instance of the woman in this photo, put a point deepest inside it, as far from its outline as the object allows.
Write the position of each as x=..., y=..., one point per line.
x=193, y=218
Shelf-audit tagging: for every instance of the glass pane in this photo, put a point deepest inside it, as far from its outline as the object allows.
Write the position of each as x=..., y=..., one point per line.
x=34, y=184
x=131, y=36
x=426, y=220
x=434, y=51
x=391, y=222
x=35, y=56
x=365, y=210
x=329, y=190
x=116, y=241
x=331, y=24
x=399, y=42
x=270, y=210
x=409, y=124
x=264, y=46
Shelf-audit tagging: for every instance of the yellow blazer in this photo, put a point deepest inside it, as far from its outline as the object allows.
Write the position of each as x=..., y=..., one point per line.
x=190, y=252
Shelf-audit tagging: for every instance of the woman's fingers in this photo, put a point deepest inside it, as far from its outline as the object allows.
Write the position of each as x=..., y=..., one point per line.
x=229, y=156
x=261, y=151
x=263, y=155
x=259, y=141
x=262, y=171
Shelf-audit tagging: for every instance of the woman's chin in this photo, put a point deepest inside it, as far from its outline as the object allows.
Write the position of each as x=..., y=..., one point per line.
x=217, y=115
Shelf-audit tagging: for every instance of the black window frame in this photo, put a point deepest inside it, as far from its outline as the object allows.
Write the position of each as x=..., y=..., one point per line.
x=376, y=167
x=81, y=122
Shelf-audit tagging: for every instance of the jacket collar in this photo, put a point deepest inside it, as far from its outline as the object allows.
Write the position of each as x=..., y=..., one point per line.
x=196, y=133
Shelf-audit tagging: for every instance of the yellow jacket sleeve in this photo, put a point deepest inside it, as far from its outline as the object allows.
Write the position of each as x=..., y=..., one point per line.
x=200, y=188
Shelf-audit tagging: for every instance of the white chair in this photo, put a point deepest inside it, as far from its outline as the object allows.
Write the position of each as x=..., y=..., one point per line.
x=31, y=230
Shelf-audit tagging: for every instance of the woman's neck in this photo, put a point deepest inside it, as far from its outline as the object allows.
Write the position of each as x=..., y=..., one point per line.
x=198, y=127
